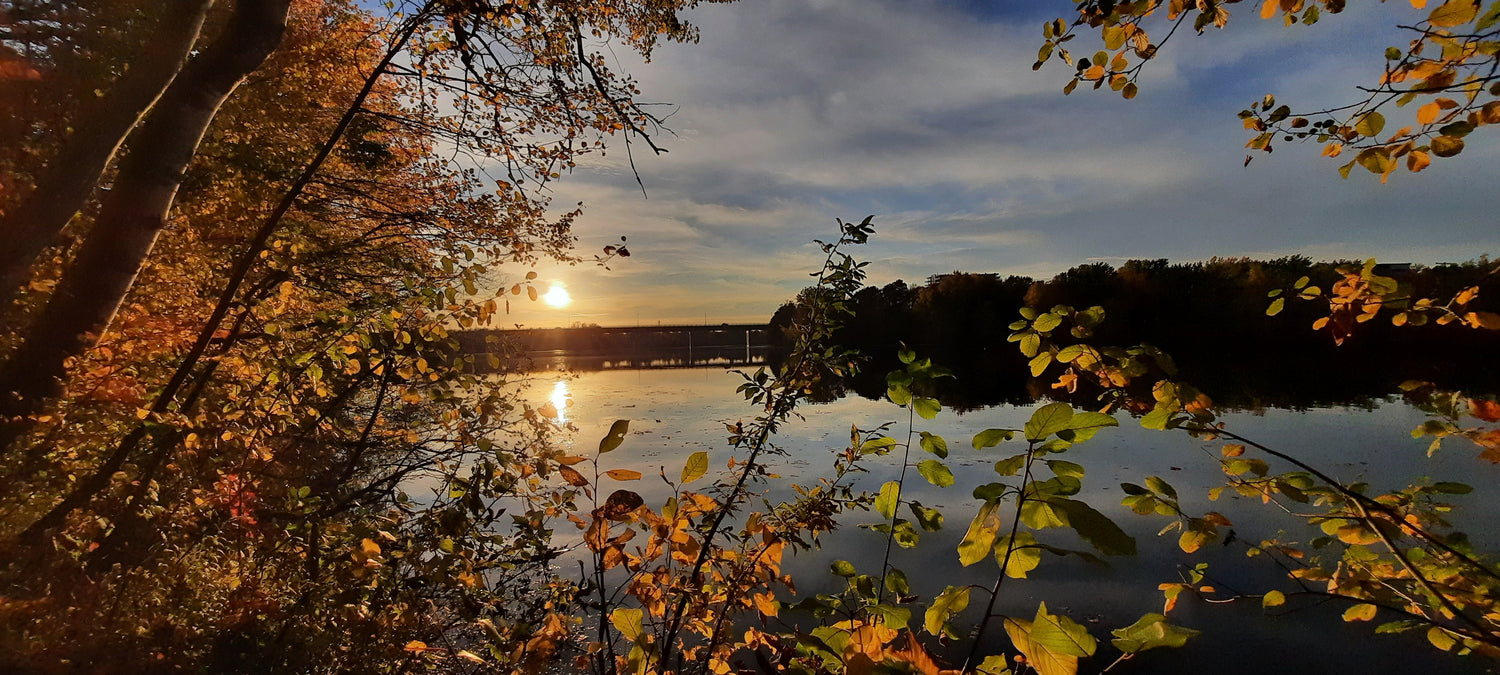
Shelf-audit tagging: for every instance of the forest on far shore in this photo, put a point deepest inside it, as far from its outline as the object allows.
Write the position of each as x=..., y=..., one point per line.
x=1211, y=317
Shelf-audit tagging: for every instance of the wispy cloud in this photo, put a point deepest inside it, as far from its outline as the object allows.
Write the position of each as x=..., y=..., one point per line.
x=789, y=114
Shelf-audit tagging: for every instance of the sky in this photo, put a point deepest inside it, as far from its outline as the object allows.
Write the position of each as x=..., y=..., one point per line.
x=789, y=114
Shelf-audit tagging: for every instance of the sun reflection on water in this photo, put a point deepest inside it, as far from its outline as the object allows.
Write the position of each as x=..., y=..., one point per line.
x=559, y=400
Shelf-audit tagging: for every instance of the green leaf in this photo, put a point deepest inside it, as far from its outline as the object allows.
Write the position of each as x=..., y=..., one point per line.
x=899, y=394
x=927, y=408
x=980, y=537
x=1024, y=553
x=895, y=582
x=1161, y=487
x=1011, y=466
x=1031, y=343
x=1489, y=17
x=990, y=438
x=1038, y=657
x=1446, y=487
x=696, y=467
x=1039, y=364
x=876, y=444
x=1082, y=426
x=628, y=622
x=1046, y=322
x=1276, y=306
x=1370, y=124
x=995, y=664
x=1159, y=417
x=615, y=437
x=842, y=568
x=936, y=472
x=951, y=601
x=893, y=616
x=889, y=498
x=1060, y=635
x=935, y=444
x=1065, y=468
x=1150, y=632
x=930, y=519
x=1040, y=514
x=1047, y=420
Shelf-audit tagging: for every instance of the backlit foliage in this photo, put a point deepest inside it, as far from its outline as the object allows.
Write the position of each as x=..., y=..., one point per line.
x=1446, y=72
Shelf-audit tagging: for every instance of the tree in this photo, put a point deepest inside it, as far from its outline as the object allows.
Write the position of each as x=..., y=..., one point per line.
x=1448, y=68
x=490, y=80
x=278, y=364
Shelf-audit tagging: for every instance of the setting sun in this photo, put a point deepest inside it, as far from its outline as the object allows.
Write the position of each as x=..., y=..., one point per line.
x=557, y=296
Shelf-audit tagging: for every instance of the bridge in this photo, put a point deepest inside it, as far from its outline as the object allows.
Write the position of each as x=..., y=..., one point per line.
x=598, y=347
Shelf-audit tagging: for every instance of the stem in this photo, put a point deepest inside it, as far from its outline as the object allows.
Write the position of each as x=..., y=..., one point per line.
x=885, y=565
x=1010, y=547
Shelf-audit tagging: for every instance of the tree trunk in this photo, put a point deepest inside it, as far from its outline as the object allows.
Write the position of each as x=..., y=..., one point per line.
x=133, y=215
x=69, y=178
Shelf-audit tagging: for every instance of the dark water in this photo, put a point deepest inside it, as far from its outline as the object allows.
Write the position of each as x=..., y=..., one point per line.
x=675, y=412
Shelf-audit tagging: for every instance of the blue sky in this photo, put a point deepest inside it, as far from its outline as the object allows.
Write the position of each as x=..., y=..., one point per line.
x=791, y=113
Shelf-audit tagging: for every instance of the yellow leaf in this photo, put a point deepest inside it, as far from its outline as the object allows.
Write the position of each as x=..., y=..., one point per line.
x=416, y=646
x=623, y=474
x=1360, y=612
x=369, y=547
x=1419, y=4
x=1453, y=13
x=1269, y=8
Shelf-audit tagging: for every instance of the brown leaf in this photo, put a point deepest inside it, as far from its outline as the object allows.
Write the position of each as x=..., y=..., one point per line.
x=619, y=504
x=573, y=477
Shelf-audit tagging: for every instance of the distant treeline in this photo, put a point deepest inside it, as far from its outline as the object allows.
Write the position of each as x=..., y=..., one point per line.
x=1210, y=316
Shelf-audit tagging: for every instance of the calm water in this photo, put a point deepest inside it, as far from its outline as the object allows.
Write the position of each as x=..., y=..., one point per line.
x=673, y=413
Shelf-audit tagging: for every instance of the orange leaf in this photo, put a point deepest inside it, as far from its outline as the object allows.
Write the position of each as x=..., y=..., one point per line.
x=1488, y=411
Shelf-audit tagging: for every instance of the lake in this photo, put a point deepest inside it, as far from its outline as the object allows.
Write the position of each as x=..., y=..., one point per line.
x=674, y=412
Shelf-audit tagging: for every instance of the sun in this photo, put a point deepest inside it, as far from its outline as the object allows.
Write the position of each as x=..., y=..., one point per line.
x=557, y=296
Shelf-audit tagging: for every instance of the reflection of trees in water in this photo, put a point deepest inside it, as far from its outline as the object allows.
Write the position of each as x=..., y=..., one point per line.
x=1209, y=316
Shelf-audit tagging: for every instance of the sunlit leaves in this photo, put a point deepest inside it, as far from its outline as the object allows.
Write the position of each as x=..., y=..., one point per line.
x=990, y=438
x=1151, y=632
x=980, y=537
x=1051, y=643
x=948, y=603
x=934, y=444
x=696, y=467
x=628, y=622
x=1454, y=13
x=1018, y=554
x=888, y=499
x=936, y=472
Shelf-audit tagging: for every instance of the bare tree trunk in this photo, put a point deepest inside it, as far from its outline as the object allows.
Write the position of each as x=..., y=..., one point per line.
x=133, y=215
x=69, y=178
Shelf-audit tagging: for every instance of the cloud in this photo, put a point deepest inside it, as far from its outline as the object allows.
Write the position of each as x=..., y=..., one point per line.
x=790, y=114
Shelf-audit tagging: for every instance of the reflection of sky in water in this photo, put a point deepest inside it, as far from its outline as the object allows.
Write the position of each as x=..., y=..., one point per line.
x=673, y=413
